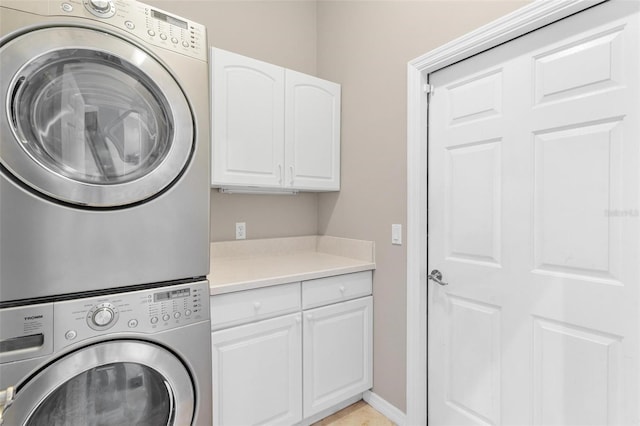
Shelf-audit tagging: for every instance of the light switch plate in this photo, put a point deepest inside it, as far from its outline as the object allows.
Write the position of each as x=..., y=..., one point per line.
x=396, y=234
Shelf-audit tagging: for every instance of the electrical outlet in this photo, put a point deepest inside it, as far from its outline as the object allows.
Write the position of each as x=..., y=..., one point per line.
x=396, y=234
x=241, y=230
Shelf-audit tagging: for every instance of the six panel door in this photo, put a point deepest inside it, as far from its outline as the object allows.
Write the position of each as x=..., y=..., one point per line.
x=534, y=221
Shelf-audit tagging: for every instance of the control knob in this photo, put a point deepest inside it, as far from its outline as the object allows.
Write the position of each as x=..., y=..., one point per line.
x=102, y=316
x=100, y=5
x=100, y=8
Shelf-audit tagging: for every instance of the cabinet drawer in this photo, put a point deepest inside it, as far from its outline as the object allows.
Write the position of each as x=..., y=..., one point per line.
x=324, y=291
x=252, y=305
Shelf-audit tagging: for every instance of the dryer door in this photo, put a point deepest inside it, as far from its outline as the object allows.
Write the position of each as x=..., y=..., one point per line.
x=111, y=383
x=91, y=119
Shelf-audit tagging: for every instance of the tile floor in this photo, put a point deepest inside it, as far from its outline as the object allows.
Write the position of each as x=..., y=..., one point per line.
x=358, y=414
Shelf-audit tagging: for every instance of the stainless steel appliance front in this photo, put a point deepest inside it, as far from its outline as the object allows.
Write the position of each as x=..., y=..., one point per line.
x=142, y=357
x=104, y=158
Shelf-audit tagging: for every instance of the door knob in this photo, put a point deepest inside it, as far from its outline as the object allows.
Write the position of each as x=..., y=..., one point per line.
x=436, y=276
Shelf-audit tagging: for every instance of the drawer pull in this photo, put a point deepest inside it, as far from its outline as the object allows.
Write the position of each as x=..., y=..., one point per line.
x=257, y=305
x=310, y=317
x=342, y=289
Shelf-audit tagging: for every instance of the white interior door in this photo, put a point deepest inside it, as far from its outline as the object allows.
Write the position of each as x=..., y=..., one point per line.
x=534, y=222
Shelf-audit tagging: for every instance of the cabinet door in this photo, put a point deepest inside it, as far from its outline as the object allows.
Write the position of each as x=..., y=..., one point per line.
x=337, y=351
x=247, y=121
x=312, y=135
x=257, y=373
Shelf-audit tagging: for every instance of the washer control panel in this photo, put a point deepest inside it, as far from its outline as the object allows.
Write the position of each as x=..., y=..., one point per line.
x=144, y=311
x=150, y=24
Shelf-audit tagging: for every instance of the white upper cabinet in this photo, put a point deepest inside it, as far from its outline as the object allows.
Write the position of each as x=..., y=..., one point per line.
x=248, y=115
x=273, y=128
x=312, y=132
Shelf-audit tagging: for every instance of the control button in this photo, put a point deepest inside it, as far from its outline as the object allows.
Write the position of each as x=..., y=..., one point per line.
x=151, y=33
x=174, y=40
x=130, y=25
x=70, y=335
x=187, y=313
x=133, y=323
x=66, y=7
x=166, y=317
x=163, y=36
x=154, y=320
x=177, y=315
x=185, y=43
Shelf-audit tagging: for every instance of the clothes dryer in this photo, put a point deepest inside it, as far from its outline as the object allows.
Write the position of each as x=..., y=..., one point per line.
x=104, y=147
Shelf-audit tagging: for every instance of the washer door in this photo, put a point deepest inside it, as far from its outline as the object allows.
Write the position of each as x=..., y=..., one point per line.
x=111, y=383
x=90, y=119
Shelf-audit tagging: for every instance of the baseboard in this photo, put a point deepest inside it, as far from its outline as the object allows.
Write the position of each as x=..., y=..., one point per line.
x=384, y=407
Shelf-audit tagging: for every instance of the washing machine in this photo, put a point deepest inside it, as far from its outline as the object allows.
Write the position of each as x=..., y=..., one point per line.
x=135, y=358
x=104, y=147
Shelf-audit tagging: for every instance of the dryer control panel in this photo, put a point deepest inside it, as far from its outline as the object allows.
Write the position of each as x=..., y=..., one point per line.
x=150, y=24
x=145, y=311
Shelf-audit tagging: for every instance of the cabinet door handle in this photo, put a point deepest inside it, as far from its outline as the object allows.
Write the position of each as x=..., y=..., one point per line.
x=279, y=173
x=310, y=317
x=291, y=170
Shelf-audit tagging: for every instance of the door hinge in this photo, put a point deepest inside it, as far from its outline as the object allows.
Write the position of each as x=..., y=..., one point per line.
x=428, y=88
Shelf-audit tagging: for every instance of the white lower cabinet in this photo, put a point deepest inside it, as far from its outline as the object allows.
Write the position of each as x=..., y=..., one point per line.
x=337, y=348
x=257, y=373
x=289, y=368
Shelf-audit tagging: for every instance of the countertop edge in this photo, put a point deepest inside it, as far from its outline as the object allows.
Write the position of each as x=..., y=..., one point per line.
x=278, y=280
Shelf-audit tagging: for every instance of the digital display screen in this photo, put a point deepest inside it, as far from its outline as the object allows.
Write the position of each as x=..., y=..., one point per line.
x=169, y=19
x=175, y=294
x=159, y=297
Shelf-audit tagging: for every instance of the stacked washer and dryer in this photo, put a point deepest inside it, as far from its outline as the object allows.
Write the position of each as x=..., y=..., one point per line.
x=104, y=215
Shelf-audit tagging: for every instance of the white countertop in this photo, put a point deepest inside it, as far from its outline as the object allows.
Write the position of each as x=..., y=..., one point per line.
x=247, y=264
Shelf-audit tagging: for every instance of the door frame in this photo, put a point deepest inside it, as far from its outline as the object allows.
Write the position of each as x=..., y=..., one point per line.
x=524, y=20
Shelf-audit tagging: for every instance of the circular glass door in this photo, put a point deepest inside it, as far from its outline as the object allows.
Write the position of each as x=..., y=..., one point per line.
x=91, y=119
x=113, y=394
x=108, y=384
